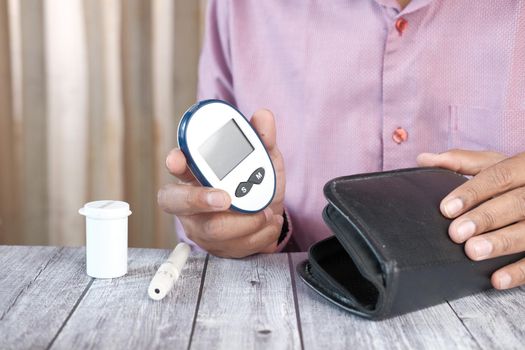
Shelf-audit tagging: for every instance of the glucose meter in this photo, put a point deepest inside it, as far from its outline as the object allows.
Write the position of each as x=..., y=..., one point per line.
x=224, y=151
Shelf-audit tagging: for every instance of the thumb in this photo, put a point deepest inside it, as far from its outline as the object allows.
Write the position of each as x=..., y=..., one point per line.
x=264, y=123
x=461, y=161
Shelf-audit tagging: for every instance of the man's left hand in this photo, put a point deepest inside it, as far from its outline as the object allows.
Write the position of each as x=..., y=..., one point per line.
x=489, y=209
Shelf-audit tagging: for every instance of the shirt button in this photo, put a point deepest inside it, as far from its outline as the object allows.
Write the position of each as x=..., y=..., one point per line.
x=401, y=25
x=399, y=135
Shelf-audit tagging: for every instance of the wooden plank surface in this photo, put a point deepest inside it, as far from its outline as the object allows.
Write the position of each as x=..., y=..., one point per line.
x=496, y=319
x=47, y=301
x=118, y=314
x=39, y=286
x=247, y=304
x=326, y=326
x=17, y=273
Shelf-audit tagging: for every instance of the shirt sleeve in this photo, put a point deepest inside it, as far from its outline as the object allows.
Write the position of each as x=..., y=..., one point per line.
x=215, y=75
x=183, y=238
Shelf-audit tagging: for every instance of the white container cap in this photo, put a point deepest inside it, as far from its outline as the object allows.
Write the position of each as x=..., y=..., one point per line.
x=106, y=209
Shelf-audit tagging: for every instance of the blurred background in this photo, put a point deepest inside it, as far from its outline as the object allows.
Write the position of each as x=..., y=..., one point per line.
x=91, y=92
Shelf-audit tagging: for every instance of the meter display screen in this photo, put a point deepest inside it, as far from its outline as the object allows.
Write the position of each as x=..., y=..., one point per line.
x=225, y=149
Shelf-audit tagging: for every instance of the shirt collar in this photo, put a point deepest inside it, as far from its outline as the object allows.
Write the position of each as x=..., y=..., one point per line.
x=413, y=6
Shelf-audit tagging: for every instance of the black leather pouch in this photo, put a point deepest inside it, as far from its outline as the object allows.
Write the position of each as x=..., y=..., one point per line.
x=391, y=253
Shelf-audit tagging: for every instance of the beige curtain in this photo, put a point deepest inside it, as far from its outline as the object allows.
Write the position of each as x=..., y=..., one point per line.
x=91, y=92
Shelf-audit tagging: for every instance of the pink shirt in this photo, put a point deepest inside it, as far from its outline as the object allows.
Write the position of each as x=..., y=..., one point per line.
x=360, y=86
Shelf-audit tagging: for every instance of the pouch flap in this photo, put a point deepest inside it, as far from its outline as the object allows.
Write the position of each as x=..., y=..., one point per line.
x=397, y=215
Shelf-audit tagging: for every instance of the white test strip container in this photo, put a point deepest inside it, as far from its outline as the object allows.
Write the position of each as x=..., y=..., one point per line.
x=106, y=238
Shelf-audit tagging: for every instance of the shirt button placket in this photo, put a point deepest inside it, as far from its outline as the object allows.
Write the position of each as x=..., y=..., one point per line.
x=399, y=135
x=401, y=25
x=396, y=95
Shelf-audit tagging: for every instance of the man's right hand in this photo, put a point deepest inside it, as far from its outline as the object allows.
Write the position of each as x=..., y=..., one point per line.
x=204, y=211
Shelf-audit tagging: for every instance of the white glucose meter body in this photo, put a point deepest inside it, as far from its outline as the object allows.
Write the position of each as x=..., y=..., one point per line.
x=224, y=151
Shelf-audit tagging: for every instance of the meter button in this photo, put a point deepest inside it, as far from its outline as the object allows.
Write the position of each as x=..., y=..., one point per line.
x=243, y=189
x=257, y=176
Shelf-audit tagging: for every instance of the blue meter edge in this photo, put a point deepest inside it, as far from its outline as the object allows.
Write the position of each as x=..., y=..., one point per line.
x=192, y=163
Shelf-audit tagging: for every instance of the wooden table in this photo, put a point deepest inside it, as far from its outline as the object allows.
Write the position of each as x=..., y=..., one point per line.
x=47, y=301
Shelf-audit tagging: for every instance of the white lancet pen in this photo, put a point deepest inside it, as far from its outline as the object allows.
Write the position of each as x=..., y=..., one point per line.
x=169, y=272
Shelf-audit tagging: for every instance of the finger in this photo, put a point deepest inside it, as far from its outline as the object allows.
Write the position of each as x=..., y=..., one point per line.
x=177, y=166
x=500, y=211
x=499, y=178
x=510, y=276
x=224, y=226
x=461, y=161
x=270, y=249
x=255, y=243
x=264, y=123
x=506, y=241
x=184, y=199
x=247, y=245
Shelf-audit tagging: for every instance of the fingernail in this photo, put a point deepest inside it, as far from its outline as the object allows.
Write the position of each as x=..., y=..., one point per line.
x=268, y=213
x=453, y=206
x=216, y=199
x=482, y=248
x=465, y=230
x=280, y=219
x=504, y=280
x=167, y=162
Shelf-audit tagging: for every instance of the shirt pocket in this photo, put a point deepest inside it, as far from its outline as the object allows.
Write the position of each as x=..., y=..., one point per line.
x=483, y=129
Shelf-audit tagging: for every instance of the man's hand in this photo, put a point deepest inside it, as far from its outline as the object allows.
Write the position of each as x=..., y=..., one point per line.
x=489, y=209
x=204, y=213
